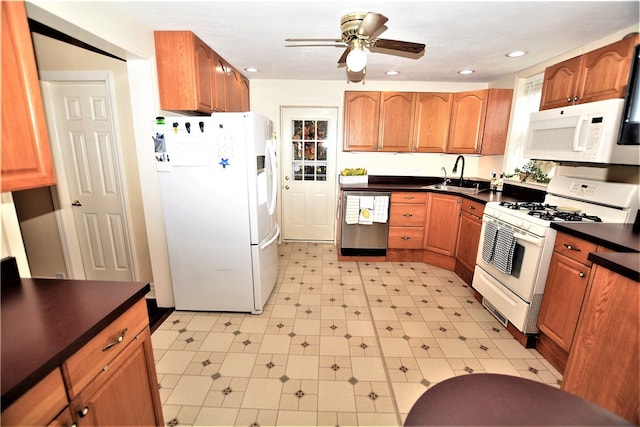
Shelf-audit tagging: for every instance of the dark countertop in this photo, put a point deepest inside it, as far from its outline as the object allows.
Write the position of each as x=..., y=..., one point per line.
x=44, y=321
x=626, y=264
x=620, y=238
x=511, y=193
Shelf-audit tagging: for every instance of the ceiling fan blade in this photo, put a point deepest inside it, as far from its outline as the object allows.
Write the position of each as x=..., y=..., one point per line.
x=314, y=45
x=343, y=58
x=399, y=45
x=314, y=40
x=371, y=23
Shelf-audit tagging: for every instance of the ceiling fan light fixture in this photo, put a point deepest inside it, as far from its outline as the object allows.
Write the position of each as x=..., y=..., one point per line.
x=356, y=59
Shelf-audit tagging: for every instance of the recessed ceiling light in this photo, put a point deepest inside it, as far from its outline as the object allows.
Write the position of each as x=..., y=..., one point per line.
x=516, y=54
x=392, y=73
x=251, y=70
x=463, y=72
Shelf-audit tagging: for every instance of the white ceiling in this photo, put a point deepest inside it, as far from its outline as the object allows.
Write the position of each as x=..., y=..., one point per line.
x=457, y=34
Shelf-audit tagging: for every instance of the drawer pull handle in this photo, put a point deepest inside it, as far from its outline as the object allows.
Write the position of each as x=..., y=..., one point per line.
x=84, y=411
x=407, y=214
x=409, y=197
x=472, y=207
x=581, y=274
x=571, y=248
x=117, y=341
x=406, y=238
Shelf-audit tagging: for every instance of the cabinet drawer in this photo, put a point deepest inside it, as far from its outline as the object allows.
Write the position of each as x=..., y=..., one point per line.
x=474, y=208
x=406, y=237
x=407, y=214
x=40, y=405
x=574, y=248
x=402, y=197
x=94, y=356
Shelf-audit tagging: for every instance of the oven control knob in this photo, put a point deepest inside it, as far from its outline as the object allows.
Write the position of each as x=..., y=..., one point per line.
x=523, y=225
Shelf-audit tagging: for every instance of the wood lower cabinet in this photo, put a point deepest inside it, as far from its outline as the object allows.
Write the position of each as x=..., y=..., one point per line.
x=26, y=155
x=441, y=229
x=595, y=76
x=468, y=239
x=563, y=298
x=479, y=122
x=406, y=220
x=603, y=364
x=124, y=393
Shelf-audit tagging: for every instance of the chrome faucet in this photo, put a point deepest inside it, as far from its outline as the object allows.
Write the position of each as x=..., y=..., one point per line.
x=455, y=168
x=446, y=180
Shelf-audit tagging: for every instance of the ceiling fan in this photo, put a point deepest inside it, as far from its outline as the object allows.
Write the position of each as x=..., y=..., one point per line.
x=359, y=30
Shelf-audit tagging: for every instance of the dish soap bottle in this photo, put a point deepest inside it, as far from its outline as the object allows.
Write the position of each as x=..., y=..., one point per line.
x=500, y=183
x=492, y=184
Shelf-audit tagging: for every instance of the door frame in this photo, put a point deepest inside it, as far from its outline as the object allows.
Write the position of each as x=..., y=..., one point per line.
x=60, y=193
x=284, y=145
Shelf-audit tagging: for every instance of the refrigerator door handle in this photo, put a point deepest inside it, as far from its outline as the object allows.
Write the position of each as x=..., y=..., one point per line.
x=274, y=177
x=271, y=240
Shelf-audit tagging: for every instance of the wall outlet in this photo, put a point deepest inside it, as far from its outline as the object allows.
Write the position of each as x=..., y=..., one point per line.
x=60, y=275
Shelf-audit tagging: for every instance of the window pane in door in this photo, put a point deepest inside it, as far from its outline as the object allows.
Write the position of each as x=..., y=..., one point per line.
x=309, y=151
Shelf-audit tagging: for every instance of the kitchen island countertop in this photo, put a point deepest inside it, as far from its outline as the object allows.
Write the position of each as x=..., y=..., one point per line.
x=44, y=321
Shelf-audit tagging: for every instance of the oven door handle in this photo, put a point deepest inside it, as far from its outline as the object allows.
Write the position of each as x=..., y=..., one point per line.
x=533, y=240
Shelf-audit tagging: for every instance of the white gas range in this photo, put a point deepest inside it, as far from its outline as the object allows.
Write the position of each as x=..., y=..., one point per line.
x=516, y=242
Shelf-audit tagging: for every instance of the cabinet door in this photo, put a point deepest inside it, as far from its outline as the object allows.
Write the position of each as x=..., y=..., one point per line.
x=563, y=296
x=244, y=95
x=431, y=122
x=441, y=230
x=204, y=83
x=220, y=84
x=361, y=118
x=605, y=71
x=26, y=156
x=233, y=90
x=124, y=394
x=396, y=121
x=467, y=122
x=560, y=84
x=468, y=240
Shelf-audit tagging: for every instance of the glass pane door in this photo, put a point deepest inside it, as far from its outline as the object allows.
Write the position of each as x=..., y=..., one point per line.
x=309, y=150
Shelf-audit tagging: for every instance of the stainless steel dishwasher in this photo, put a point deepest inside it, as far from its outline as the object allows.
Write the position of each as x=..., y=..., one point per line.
x=363, y=239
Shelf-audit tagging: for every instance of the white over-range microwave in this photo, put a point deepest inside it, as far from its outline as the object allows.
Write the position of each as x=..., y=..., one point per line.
x=586, y=133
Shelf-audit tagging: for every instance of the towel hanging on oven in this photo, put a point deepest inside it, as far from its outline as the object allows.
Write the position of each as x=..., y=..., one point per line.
x=489, y=242
x=504, y=248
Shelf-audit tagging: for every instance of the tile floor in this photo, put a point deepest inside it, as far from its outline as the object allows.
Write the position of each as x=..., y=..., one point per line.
x=338, y=343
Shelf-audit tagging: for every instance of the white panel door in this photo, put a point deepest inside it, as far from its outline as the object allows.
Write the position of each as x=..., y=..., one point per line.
x=86, y=141
x=308, y=172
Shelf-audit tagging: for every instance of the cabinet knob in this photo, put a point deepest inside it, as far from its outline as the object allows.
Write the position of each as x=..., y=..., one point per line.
x=405, y=238
x=569, y=99
x=472, y=207
x=407, y=214
x=458, y=201
x=581, y=274
x=575, y=98
x=84, y=411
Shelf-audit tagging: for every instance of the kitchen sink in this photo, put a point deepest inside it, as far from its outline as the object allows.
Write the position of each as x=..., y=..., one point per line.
x=454, y=188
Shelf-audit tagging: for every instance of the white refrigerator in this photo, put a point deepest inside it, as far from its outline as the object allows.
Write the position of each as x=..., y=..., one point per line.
x=218, y=179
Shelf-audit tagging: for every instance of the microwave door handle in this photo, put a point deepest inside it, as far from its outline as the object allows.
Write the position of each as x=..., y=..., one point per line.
x=576, y=135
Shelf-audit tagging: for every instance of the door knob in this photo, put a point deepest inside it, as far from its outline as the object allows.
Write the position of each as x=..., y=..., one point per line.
x=76, y=203
x=286, y=187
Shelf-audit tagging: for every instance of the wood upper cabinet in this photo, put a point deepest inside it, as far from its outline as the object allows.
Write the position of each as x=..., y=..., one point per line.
x=184, y=64
x=595, y=76
x=431, y=122
x=361, y=118
x=441, y=229
x=193, y=77
x=244, y=95
x=26, y=156
x=480, y=121
x=396, y=121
